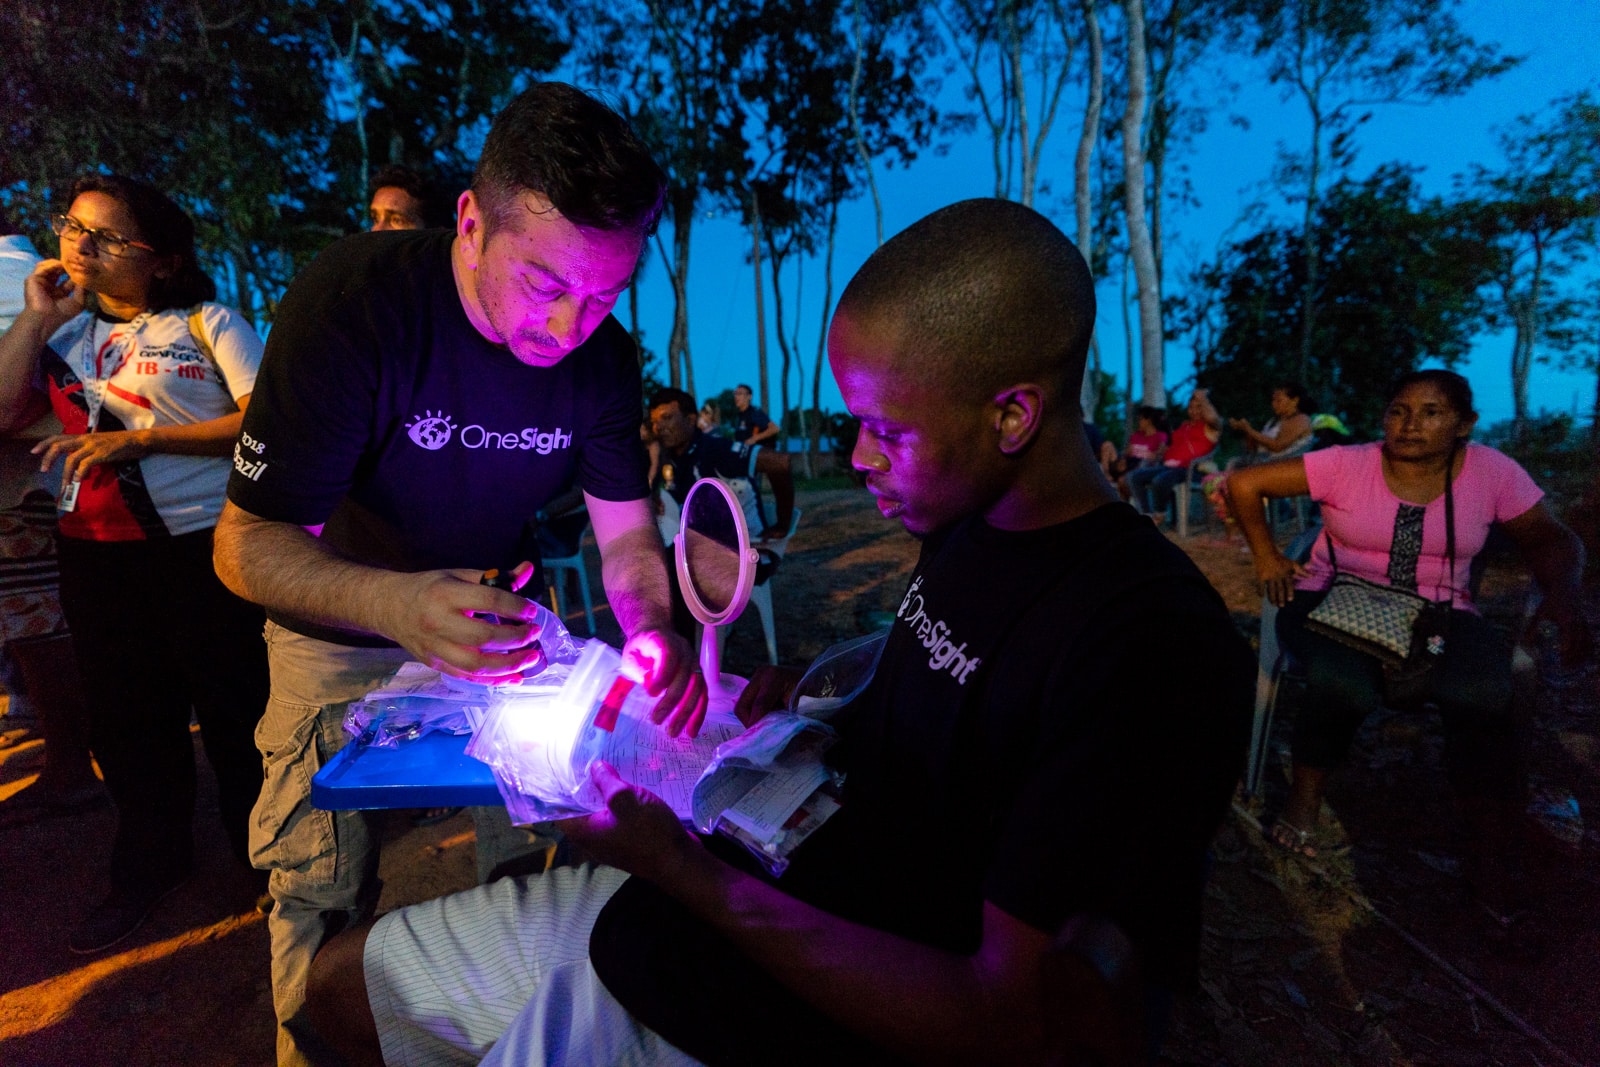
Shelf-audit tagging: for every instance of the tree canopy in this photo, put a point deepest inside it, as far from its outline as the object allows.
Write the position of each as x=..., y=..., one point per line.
x=1399, y=283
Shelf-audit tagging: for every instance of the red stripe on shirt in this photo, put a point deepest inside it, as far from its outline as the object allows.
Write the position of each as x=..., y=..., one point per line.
x=132, y=398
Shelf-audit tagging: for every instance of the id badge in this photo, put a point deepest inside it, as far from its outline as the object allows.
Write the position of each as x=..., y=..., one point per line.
x=69, y=496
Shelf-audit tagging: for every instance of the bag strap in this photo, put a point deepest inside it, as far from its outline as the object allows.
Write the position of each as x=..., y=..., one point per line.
x=1450, y=520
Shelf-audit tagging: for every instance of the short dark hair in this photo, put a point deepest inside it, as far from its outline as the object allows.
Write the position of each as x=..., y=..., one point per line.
x=684, y=401
x=164, y=226
x=1296, y=392
x=438, y=204
x=989, y=293
x=745, y=387
x=1455, y=388
x=562, y=143
x=1157, y=416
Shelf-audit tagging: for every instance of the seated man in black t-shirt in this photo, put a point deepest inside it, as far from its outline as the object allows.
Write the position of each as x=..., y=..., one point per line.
x=751, y=425
x=689, y=454
x=999, y=722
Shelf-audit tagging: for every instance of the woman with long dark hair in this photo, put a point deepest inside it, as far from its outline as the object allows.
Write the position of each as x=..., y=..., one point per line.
x=149, y=379
x=1389, y=519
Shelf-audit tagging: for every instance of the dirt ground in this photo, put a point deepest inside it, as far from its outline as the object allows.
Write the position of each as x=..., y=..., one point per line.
x=1374, y=958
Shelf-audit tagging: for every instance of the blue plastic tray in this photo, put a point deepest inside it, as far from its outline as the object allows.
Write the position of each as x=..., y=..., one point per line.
x=432, y=771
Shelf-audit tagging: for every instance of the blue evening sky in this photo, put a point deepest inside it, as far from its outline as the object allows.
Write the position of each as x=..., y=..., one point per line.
x=1229, y=168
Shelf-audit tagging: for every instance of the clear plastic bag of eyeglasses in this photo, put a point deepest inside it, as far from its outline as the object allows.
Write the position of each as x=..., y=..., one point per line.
x=418, y=700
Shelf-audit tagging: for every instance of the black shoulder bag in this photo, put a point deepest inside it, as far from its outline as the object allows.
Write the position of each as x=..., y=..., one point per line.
x=1405, y=631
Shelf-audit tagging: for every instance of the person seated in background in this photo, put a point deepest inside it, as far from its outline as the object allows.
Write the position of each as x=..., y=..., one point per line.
x=1104, y=452
x=1388, y=521
x=751, y=426
x=1147, y=444
x=960, y=345
x=710, y=417
x=689, y=454
x=402, y=199
x=1288, y=433
x=1151, y=487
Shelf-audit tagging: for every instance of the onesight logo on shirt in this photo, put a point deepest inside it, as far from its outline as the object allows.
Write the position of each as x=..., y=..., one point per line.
x=434, y=429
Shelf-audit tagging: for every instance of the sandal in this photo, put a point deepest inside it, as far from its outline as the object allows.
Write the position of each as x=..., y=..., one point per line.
x=1305, y=843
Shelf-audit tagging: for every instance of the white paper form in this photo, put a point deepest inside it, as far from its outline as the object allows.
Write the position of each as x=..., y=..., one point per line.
x=763, y=811
x=667, y=766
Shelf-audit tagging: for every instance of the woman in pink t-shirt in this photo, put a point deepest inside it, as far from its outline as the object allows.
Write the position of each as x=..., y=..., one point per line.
x=1383, y=508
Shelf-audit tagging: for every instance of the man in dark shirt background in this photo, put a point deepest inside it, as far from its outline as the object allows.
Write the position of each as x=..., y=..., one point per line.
x=751, y=426
x=688, y=454
x=402, y=199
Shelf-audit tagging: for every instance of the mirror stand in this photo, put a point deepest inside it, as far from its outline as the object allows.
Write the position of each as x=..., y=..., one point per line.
x=716, y=570
x=722, y=690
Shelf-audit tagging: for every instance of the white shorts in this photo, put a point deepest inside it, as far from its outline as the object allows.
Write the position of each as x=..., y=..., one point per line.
x=502, y=971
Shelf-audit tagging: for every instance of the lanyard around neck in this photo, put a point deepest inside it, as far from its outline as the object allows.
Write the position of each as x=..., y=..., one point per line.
x=93, y=369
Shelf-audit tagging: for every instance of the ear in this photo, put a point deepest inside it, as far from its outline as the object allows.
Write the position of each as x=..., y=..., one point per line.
x=470, y=229
x=1018, y=415
x=1467, y=426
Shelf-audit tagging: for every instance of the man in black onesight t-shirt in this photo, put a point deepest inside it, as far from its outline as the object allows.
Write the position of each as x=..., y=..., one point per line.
x=423, y=396
x=1014, y=763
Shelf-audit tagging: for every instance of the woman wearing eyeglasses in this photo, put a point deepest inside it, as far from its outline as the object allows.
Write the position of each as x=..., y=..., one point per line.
x=150, y=380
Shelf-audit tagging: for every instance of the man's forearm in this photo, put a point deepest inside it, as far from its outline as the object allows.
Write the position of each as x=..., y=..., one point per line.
x=927, y=1004
x=635, y=577
x=283, y=568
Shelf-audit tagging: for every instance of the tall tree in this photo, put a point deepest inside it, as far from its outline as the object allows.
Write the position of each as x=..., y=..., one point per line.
x=818, y=86
x=1140, y=248
x=1344, y=57
x=419, y=88
x=675, y=67
x=221, y=104
x=1400, y=276
x=1028, y=46
x=1538, y=218
x=1082, y=187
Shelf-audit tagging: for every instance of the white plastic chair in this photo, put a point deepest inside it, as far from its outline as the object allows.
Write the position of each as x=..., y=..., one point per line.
x=1272, y=662
x=1184, y=489
x=761, y=594
x=554, y=565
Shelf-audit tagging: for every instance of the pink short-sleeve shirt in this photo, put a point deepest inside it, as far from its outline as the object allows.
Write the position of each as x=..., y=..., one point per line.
x=1358, y=512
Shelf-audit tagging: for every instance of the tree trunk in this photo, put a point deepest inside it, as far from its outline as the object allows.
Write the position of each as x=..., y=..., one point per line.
x=1525, y=313
x=856, y=135
x=1310, y=247
x=775, y=260
x=1088, y=394
x=1127, y=347
x=681, y=207
x=761, y=308
x=1139, y=246
x=822, y=335
x=1594, y=426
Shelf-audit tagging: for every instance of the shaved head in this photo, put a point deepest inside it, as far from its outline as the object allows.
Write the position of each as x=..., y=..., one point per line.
x=983, y=294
